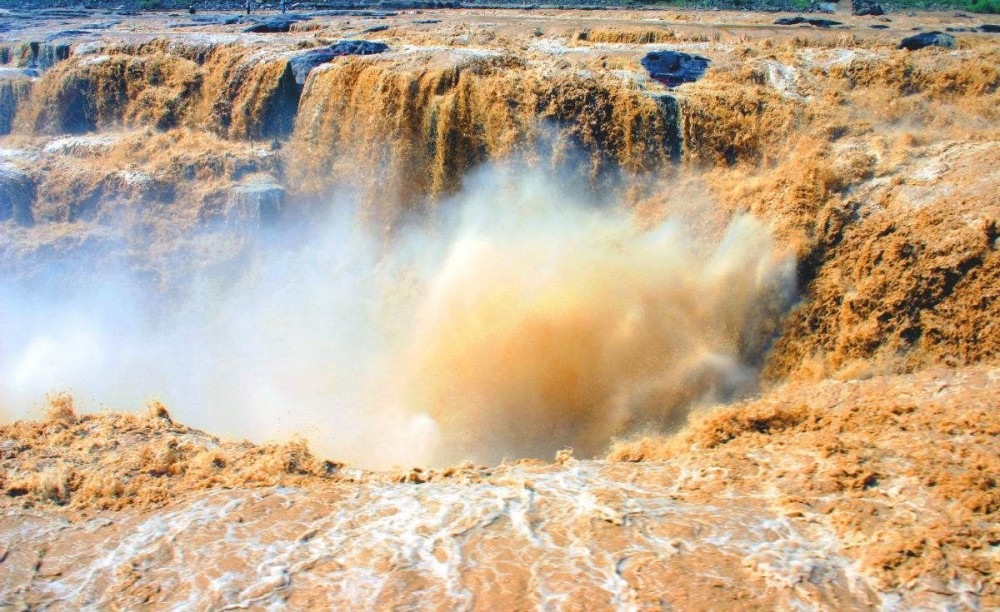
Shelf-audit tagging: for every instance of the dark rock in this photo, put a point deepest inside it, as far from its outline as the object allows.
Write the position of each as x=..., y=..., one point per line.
x=303, y=64
x=866, y=7
x=880, y=26
x=216, y=19
x=673, y=68
x=819, y=23
x=991, y=28
x=426, y=21
x=928, y=39
x=17, y=196
x=953, y=29
x=278, y=110
x=270, y=26
x=823, y=23
x=275, y=24
x=373, y=29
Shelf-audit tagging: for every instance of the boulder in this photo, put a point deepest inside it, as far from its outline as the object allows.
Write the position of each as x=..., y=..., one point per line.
x=928, y=39
x=673, y=68
x=270, y=26
x=799, y=19
x=217, y=19
x=280, y=23
x=303, y=64
x=17, y=196
x=991, y=28
x=866, y=7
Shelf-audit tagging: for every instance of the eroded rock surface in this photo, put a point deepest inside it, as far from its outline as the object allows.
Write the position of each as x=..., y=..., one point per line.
x=927, y=39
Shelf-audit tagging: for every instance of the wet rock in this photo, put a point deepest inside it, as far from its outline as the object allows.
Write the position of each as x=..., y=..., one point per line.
x=928, y=39
x=275, y=24
x=304, y=64
x=17, y=195
x=255, y=202
x=991, y=28
x=866, y=7
x=879, y=27
x=217, y=19
x=819, y=23
x=673, y=68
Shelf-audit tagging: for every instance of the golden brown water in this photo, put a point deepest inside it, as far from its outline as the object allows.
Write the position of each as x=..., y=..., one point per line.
x=500, y=239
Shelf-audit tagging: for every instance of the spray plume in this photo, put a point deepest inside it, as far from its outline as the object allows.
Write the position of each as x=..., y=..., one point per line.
x=523, y=318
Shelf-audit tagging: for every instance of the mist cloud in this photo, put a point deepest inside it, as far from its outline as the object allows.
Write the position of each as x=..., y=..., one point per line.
x=524, y=317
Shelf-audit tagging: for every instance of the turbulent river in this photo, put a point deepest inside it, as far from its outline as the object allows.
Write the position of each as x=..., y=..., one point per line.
x=700, y=309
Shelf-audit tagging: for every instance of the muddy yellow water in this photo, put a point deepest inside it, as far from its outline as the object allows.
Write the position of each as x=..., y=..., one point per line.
x=761, y=307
